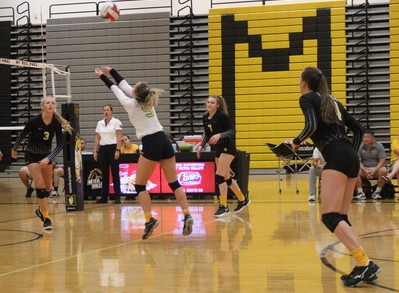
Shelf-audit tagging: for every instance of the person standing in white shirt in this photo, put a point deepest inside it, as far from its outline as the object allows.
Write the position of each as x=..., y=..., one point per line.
x=107, y=146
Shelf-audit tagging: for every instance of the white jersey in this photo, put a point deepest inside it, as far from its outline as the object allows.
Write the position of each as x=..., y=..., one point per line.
x=144, y=120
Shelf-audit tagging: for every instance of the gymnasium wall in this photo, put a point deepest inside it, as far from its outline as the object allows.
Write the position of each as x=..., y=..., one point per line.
x=394, y=66
x=256, y=55
x=136, y=45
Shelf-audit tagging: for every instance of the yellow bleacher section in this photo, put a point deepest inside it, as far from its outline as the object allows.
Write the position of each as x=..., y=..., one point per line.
x=266, y=103
x=394, y=66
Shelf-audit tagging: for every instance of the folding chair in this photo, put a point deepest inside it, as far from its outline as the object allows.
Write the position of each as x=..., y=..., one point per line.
x=285, y=156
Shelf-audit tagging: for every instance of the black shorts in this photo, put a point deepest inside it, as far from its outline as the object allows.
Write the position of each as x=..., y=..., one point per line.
x=157, y=146
x=226, y=148
x=340, y=156
x=34, y=158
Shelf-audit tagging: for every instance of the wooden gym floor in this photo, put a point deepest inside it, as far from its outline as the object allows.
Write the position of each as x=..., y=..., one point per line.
x=277, y=245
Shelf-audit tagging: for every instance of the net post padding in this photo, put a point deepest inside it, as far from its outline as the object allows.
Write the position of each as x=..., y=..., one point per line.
x=44, y=67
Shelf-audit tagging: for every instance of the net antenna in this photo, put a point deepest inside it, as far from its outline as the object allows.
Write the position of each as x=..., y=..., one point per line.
x=45, y=67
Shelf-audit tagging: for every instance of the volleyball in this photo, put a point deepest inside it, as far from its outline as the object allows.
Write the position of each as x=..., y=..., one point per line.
x=110, y=12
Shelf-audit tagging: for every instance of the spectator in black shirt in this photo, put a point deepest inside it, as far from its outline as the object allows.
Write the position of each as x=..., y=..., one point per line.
x=218, y=133
x=325, y=123
x=39, y=155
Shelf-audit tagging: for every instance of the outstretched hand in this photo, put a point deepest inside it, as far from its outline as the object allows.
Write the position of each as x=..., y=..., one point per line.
x=106, y=69
x=98, y=72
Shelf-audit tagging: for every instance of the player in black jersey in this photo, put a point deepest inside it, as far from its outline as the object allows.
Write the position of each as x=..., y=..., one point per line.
x=39, y=155
x=326, y=121
x=218, y=133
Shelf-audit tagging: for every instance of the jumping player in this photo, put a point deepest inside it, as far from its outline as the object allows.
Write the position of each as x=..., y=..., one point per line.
x=139, y=102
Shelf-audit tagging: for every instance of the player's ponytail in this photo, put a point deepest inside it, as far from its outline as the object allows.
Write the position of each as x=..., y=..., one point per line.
x=147, y=96
x=317, y=82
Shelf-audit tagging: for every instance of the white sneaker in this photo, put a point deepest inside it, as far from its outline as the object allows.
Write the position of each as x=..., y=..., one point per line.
x=53, y=194
x=376, y=195
x=312, y=197
x=360, y=195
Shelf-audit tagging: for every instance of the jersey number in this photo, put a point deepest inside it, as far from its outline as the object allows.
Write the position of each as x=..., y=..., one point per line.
x=149, y=112
x=46, y=135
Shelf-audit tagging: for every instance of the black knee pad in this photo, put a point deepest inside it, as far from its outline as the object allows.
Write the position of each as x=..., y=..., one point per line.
x=174, y=185
x=139, y=188
x=331, y=220
x=229, y=181
x=219, y=179
x=42, y=193
x=346, y=219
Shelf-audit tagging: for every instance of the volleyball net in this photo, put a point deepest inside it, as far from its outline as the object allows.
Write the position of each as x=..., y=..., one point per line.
x=56, y=80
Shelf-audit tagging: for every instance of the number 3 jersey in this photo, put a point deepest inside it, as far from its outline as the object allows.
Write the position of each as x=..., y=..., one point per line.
x=41, y=136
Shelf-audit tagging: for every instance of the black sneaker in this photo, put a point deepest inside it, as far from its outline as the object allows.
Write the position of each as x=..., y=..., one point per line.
x=242, y=204
x=47, y=225
x=29, y=192
x=188, y=225
x=149, y=227
x=102, y=200
x=222, y=211
x=39, y=214
x=361, y=274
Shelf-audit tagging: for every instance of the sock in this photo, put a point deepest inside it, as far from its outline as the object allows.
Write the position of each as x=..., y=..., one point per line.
x=360, y=189
x=147, y=216
x=223, y=200
x=378, y=189
x=45, y=214
x=360, y=256
x=240, y=196
x=186, y=211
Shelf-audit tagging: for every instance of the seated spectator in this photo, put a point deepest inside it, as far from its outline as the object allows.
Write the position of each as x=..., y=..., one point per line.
x=394, y=170
x=58, y=172
x=127, y=146
x=83, y=146
x=372, y=165
x=315, y=172
x=25, y=177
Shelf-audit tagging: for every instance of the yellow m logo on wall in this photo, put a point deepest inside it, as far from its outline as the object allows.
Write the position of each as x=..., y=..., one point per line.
x=256, y=55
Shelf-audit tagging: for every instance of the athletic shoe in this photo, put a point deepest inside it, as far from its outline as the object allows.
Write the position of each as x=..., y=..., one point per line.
x=29, y=192
x=222, y=211
x=376, y=195
x=242, y=204
x=312, y=197
x=102, y=200
x=39, y=214
x=149, y=227
x=360, y=195
x=53, y=194
x=188, y=224
x=47, y=225
x=361, y=274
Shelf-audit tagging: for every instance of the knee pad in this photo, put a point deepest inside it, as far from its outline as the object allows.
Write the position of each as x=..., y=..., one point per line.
x=139, y=188
x=229, y=181
x=346, y=219
x=42, y=193
x=174, y=185
x=219, y=179
x=331, y=220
